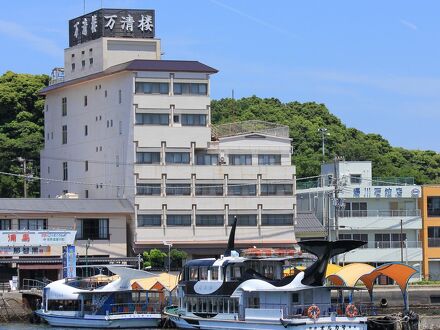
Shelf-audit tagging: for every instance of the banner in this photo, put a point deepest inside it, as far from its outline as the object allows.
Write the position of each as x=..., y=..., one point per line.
x=16, y=238
x=69, y=261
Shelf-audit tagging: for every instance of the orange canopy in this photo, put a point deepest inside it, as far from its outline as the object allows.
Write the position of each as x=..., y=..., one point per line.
x=400, y=273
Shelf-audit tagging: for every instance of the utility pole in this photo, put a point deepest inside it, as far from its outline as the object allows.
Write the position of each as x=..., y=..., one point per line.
x=23, y=162
x=335, y=184
x=401, y=241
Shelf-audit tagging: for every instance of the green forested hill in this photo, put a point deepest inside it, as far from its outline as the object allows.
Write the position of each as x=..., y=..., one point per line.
x=21, y=135
x=304, y=119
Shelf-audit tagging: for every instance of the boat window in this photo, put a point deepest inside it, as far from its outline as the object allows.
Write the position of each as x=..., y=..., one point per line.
x=193, y=273
x=203, y=273
x=268, y=271
x=214, y=273
x=63, y=305
x=295, y=298
x=237, y=272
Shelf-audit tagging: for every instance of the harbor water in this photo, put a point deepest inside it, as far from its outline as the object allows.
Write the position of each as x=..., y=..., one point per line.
x=28, y=326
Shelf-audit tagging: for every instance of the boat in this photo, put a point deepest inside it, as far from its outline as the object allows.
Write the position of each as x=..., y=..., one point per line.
x=252, y=292
x=102, y=304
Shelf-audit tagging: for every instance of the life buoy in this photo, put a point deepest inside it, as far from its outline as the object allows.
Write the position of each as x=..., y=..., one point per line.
x=313, y=312
x=351, y=311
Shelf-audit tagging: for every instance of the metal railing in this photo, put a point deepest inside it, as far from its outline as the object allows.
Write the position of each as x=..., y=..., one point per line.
x=32, y=285
x=300, y=311
x=390, y=181
x=392, y=244
x=378, y=213
x=250, y=126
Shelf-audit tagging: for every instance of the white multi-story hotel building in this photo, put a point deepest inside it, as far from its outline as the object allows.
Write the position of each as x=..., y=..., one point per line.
x=123, y=123
x=375, y=210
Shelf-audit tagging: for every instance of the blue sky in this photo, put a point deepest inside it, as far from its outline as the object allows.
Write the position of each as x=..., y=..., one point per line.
x=375, y=64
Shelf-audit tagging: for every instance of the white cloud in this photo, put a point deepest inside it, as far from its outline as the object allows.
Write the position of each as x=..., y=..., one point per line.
x=409, y=24
x=21, y=33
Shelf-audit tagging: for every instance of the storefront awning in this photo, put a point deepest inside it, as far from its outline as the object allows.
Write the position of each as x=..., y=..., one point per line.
x=40, y=266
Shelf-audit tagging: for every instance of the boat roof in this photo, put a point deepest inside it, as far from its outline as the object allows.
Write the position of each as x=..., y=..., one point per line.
x=294, y=289
x=102, y=292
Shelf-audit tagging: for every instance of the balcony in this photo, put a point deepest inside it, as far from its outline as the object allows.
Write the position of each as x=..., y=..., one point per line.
x=385, y=251
x=378, y=213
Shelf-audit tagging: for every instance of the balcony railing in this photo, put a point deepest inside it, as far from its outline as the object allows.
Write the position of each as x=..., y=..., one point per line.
x=392, y=181
x=378, y=213
x=392, y=244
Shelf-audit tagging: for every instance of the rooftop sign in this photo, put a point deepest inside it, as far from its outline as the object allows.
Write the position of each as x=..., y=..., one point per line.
x=117, y=23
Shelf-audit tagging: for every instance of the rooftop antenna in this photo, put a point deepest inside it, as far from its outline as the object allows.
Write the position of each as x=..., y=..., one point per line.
x=84, y=6
x=233, y=94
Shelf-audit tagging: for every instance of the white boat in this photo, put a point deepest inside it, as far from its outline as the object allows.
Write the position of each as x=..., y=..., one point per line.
x=236, y=292
x=73, y=303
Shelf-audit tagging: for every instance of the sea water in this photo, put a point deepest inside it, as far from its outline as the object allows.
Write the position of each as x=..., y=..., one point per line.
x=28, y=326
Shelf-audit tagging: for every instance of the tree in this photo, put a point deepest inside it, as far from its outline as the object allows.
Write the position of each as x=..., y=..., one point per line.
x=21, y=130
x=154, y=258
x=304, y=120
x=177, y=257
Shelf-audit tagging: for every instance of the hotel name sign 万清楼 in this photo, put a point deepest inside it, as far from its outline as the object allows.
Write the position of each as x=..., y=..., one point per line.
x=33, y=238
x=116, y=23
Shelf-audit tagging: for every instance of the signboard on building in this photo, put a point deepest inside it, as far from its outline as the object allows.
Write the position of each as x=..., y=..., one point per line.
x=385, y=192
x=28, y=238
x=12, y=251
x=69, y=261
x=116, y=23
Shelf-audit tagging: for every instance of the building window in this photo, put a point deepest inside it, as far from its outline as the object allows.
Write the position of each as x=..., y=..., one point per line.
x=243, y=219
x=193, y=120
x=73, y=66
x=276, y=190
x=148, y=189
x=148, y=157
x=178, y=189
x=240, y=159
x=32, y=224
x=152, y=88
x=86, y=165
x=388, y=240
x=120, y=96
x=149, y=220
x=105, y=93
x=86, y=130
x=179, y=220
x=177, y=157
x=64, y=106
x=433, y=236
x=152, y=119
x=85, y=100
x=117, y=160
x=269, y=159
x=91, y=60
x=176, y=119
x=355, y=209
x=277, y=219
x=5, y=224
x=209, y=190
x=93, y=228
x=65, y=172
x=120, y=127
x=190, y=89
x=83, y=64
x=209, y=219
x=64, y=134
x=207, y=159
x=86, y=193
x=355, y=178
x=433, y=206
x=242, y=189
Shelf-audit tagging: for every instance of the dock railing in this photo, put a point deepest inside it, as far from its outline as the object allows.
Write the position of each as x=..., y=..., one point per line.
x=300, y=311
x=33, y=286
